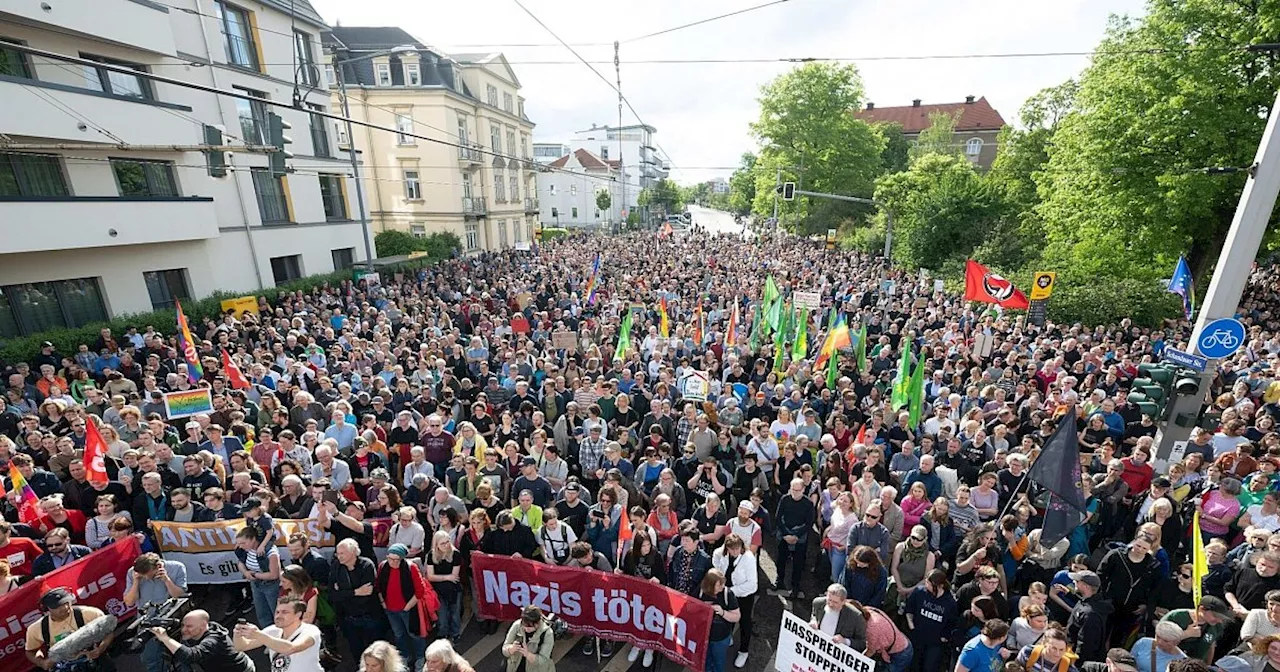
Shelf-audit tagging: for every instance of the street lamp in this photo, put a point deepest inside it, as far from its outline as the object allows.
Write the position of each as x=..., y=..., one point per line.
x=351, y=137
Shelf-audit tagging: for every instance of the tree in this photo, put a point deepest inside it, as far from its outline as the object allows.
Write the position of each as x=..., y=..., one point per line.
x=664, y=194
x=742, y=185
x=897, y=148
x=938, y=138
x=806, y=123
x=1164, y=97
x=393, y=242
x=603, y=200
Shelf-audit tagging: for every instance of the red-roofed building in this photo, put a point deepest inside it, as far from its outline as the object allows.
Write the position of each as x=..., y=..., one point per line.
x=977, y=127
x=567, y=197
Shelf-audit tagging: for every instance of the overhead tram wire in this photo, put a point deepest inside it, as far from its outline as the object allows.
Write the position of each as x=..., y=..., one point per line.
x=702, y=21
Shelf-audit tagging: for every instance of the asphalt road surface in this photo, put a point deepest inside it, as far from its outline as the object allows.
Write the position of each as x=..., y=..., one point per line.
x=714, y=221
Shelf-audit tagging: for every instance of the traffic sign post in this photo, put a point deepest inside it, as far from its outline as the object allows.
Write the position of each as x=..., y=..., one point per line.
x=1221, y=338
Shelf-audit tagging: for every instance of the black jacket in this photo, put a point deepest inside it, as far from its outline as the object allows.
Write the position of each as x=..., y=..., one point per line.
x=343, y=583
x=213, y=651
x=500, y=542
x=1087, y=628
x=44, y=564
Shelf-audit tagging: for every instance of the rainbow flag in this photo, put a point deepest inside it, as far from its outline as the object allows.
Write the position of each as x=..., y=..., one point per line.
x=28, y=503
x=664, y=322
x=593, y=279
x=731, y=332
x=188, y=346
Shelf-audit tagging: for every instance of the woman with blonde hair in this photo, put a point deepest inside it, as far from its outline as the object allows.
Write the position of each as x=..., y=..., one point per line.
x=444, y=572
x=470, y=441
x=7, y=581
x=381, y=656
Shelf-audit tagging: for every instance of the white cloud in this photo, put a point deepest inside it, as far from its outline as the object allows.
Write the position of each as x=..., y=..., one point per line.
x=701, y=111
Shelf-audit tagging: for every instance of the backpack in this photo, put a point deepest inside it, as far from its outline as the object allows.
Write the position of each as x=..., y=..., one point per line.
x=47, y=622
x=564, y=539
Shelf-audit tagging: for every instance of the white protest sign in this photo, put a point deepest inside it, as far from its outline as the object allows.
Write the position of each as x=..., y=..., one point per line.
x=810, y=300
x=804, y=649
x=696, y=386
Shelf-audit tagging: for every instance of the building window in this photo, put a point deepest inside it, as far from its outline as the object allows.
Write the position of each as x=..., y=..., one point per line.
x=144, y=179
x=40, y=306
x=284, y=269
x=330, y=75
x=238, y=33
x=466, y=185
x=343, y=258
x=473, y=237
x=307, y=71
x=166, y=286
x=604, y=152
x=116, y=83
x=418, y=230
x=31, y=175
x=253, y=118
x=412, y=74
x=551, y=189
x=573, y=190
x=13, y=63
x=508, y=103
x=319, y=135
x=404, y=128
x=520, y=108
x=517, y=231
x=524, y=146
x=335, y=202
x=495, y=138
x=575, y=213
x=515, y=189
x=383, y=71
x=412, y=185
x=272, y=204
x=463, y=135
x=340, y=132
x=499, y=187
x=555, y=212
x=491, y=94
x=502, y=234
x=973, y=147
x=511, y=143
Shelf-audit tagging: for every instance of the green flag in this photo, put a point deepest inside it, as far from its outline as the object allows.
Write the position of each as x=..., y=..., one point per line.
x=754, y=341
x=915, y=393
x=833, y=370
x=770, y=291
x=902, y=383
x=773, y=316
x=800, y=345
x=624, y=337
x=779, y=348
x=862, y=348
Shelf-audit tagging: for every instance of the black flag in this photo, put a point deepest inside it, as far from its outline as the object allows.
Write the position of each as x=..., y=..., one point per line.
x=1058, y=471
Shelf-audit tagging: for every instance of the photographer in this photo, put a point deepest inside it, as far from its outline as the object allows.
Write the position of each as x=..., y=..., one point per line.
x=61, y=620
x=205, y=645
x=529, y=643
x=151, y=583
x=291, y=643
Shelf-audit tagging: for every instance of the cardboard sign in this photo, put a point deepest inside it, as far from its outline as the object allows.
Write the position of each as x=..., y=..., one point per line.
x=523, y=299
x=810, y=300
x=240, y=305
x=696, y=386
x=939, y=285
x=564, y=340
x=804, y=649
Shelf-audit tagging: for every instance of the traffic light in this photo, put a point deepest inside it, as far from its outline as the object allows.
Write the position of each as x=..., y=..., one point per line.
x=788, y=191
x=216, y=159
x=276, y=126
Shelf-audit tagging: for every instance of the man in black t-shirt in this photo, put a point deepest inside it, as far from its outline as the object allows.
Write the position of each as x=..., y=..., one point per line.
x=572, y=509
x=349, y=525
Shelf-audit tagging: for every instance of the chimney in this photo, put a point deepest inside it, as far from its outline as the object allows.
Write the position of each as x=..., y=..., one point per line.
x=915, y=103
x=871, y=105
x=968, y=100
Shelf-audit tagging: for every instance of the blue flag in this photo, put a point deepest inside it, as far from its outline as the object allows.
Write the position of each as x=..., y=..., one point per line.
x=1182, y=285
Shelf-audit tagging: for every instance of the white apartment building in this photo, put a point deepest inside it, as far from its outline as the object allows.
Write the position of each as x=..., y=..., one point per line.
x=641, y=166
x=119, y=222
x=546, y=152
x=568, y=191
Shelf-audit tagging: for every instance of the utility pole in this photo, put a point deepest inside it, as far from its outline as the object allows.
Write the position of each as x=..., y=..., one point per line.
x=622, y=167
x=777, y=185
x=1232, y=271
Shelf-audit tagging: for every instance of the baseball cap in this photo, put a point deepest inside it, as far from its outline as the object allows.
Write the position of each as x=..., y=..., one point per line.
x=1216, y=605
x=47, y=344
x=1122, y=658
x=746, y=504
x=57, y=597
x=1086, y=577
x=530, y=462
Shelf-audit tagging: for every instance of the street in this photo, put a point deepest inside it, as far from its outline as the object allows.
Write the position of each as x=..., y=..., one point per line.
x=714, y=221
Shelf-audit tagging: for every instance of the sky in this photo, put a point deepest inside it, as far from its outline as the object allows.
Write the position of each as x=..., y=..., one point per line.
x=703, y=110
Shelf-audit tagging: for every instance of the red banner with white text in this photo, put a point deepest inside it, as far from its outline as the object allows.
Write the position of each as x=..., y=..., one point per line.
x=98, y=580
x=593, y=603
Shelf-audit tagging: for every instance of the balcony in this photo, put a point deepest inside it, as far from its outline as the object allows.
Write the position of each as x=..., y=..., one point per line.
x=474, y=206
x=469, y=153
x=140, y=24
x=68, y=222
x=135, y=121
x=530, y=205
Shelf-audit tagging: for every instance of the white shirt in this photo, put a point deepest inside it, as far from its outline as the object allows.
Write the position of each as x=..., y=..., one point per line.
x=829, y=620
x=306, y=661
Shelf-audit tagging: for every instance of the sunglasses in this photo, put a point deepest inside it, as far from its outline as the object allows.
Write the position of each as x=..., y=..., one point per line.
x=871, y=517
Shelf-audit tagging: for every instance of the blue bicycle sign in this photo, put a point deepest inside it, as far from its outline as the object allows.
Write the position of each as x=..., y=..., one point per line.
x=1221, y=338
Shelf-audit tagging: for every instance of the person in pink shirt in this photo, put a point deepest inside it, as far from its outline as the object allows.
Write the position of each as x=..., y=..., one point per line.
x=914, y=505
x=1219, y=509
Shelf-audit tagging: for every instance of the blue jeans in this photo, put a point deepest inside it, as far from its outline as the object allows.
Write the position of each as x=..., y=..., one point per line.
x=838, y=559
x=718, y=654
x=900, y=661
x=412, y=647
x=450, y=615
x=265, y=595
x=153, y=653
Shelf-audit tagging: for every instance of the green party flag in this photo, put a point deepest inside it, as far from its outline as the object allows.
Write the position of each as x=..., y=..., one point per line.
x=779, y=349
x=862, y=348
x=833, y=370
x=624, y=337
x=754, y=341
x=800, y=346
x=902, y=382
x=915, y=393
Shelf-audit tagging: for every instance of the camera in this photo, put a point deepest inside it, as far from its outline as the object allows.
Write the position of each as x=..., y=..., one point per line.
x=167, y=615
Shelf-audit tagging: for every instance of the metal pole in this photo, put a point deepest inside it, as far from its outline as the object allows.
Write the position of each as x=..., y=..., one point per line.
x=355, y=165
x=1234, y=265
x=622, y=167
x=888, y=234
x=777, y=183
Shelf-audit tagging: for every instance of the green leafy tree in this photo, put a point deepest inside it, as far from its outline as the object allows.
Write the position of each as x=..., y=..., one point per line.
x=603, y=200
x=806, y=124
x=897, y=148
x=938, y=138
x=742, y=185
x=1164, y=96
x=664, y=195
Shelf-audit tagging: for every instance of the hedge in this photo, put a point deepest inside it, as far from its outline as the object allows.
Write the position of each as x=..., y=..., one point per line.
x=67, y=340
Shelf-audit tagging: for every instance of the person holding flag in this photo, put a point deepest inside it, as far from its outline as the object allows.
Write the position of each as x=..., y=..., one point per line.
x=188, y=346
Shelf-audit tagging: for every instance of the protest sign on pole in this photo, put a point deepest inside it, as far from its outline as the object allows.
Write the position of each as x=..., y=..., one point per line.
x=810, y=300
x=805, y=649
x=564, y=340
x=188, y=402
x=695, y=386
x=597, y=604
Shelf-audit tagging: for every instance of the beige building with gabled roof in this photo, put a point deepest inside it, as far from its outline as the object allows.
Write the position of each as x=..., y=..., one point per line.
x=481, y=184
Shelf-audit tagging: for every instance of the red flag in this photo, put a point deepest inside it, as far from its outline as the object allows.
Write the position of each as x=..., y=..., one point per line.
x=95, y=454
x=980, y=284
x=237, y=379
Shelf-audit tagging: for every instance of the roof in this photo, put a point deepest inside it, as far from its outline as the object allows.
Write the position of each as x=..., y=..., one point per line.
x=370, y=38
x=301, y=8
x=975, y=116
x=586, y=159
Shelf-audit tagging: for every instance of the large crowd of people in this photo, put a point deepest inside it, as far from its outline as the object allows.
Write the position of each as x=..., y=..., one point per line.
x=440, y=400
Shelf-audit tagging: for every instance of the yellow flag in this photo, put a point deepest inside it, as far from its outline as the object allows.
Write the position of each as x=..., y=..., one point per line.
x=1199, y=561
